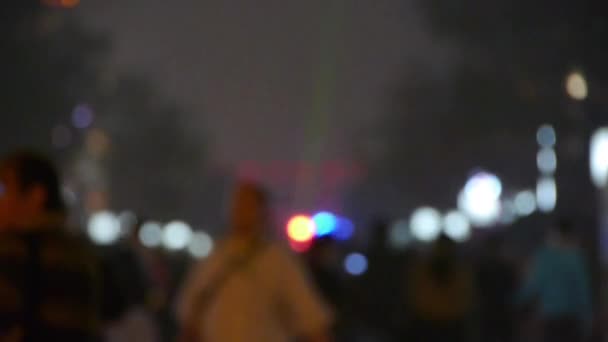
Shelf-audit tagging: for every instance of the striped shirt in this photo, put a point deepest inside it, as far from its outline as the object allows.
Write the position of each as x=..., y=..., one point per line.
x=48, y=287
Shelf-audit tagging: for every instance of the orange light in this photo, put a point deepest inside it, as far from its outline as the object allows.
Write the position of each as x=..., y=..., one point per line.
x=301, y=229
x=69, y=3
x=62, y=3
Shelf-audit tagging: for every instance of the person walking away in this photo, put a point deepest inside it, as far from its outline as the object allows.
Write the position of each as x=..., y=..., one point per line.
x=48, y=279
x=559, y=281
x=250, y=288
x=441, y=295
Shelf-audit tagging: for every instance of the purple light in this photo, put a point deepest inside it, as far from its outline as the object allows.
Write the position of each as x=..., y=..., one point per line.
x=82, y=116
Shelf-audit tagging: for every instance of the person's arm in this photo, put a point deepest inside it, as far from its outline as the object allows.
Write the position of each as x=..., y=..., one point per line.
x=308, y=316
x=186, y=309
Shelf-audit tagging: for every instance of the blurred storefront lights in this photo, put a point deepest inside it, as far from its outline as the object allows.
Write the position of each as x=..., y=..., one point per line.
x=104, y=228
x=598, y=158
x=176, y=235
x=525, y=203
x=151, y=234
x=546, y=194
x=546, y=136
x=546, y=160
x=456, y=226
x=201, y=245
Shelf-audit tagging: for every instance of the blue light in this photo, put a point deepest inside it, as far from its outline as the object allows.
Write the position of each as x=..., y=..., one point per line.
x=344, y=229
x=355, y=264
x=326, y=223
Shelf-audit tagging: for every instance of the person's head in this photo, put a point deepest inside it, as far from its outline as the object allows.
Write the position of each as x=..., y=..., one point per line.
x=564, y=229
x=29, y=188
x=249, y=210
x=442, y=261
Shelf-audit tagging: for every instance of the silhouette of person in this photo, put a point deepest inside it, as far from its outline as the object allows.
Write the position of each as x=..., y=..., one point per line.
x=250, y=288
x=49, y=280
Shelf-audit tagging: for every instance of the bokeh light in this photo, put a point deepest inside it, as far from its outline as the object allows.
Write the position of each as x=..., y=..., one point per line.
x=69, y=3
x=399, y=235
x=576, y=86
x=546, y=194
x=61, y=3
x=97, y=142
x=151, y=234
x=525, y=203
x=201, y=245
x=546, y=136
x=456, y=225
x=82, y=116
x=425, y=224
x=176, y=235
x=344, y=229
x=508, y=213
x=104, y=228
x=301, y=228
x=598, y=158
x=127, y=220
x=355, y=264
x=546, y=160
x=480, y=199
x=325, y=223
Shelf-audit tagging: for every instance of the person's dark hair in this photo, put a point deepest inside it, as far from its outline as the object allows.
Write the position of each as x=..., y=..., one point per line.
x=565, y=227
x=32, y=169
x=442, y=262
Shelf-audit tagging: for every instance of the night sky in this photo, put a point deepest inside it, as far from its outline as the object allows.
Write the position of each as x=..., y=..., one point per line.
x=246, y=72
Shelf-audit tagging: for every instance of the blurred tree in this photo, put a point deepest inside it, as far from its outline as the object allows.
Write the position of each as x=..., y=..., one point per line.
x=131, y=145
x=46, y=63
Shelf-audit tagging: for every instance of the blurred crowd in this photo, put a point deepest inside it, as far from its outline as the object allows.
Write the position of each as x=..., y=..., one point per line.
x=55, y=286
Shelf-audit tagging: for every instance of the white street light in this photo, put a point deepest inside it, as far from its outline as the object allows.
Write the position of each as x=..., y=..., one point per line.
x=104, y=228
x=546, y=194
x=456, y=225
x=598, y=159
x=425, y=224
x=176, y=235
x=480, y=199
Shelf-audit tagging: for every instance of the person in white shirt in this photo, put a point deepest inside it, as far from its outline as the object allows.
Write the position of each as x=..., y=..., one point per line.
x=251, y=289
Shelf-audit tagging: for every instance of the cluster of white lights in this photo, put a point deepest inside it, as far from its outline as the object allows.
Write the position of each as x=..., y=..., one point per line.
x=546, y=160
x=480, y=203
x=106, y=228
x=426, y=224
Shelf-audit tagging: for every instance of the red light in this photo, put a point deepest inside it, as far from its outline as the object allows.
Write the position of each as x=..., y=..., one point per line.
x=300, y=247
x=301, y=229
